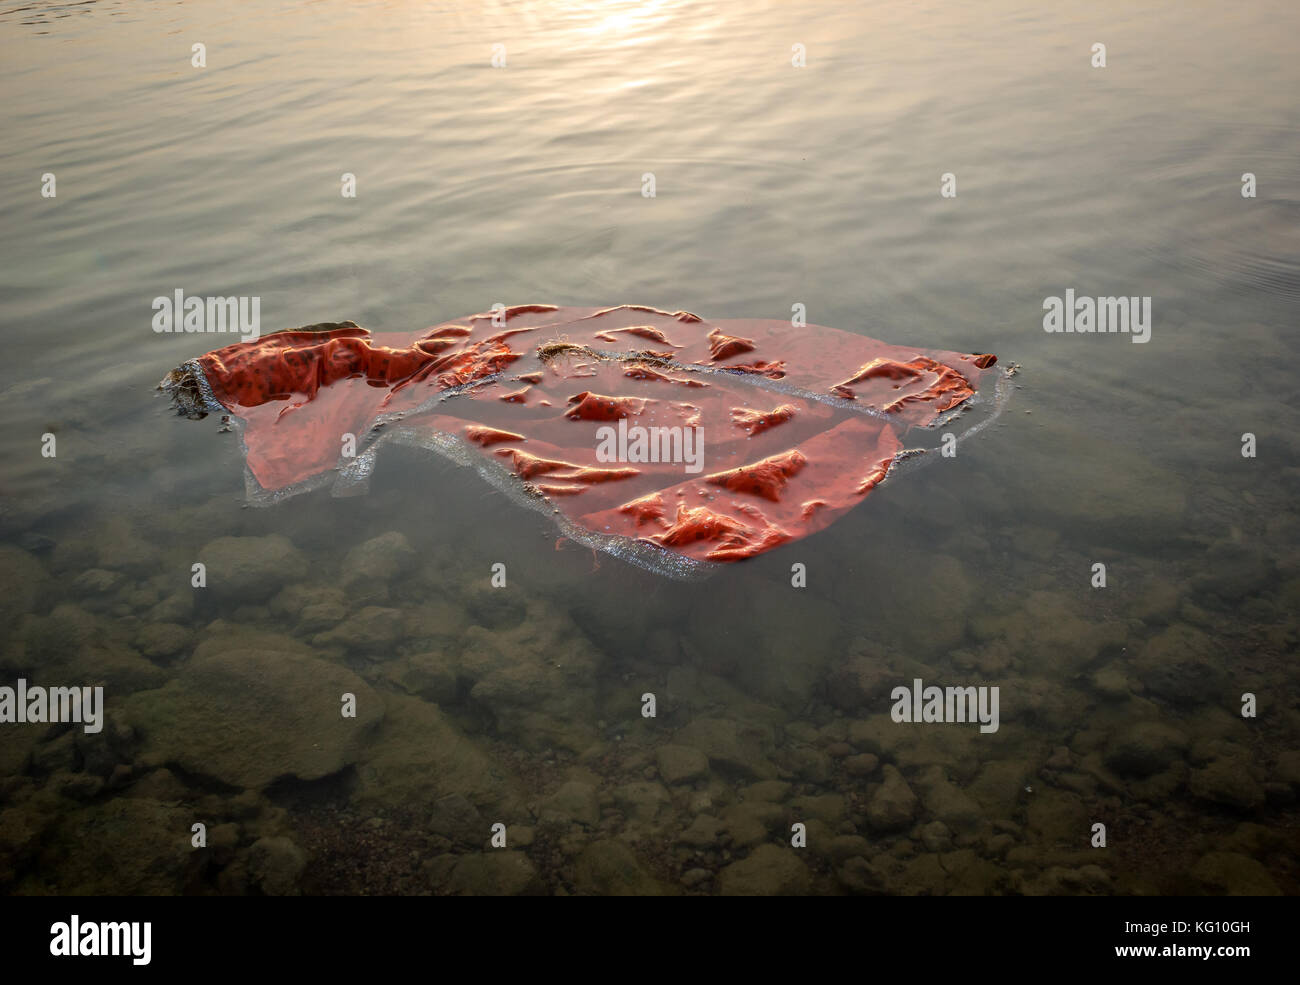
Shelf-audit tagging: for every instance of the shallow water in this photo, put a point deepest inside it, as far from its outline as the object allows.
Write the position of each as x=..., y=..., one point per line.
x=775, y=185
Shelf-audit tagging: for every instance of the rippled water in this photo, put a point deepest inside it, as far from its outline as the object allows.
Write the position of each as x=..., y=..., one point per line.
x=775, y=185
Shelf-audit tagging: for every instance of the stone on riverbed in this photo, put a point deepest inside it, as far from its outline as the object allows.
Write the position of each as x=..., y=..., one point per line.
x=681, y=764
x=610, y=868
x=768, y=871
x=379, y=560
x=730, y=748
x=251, y=569
x=893, y=805
x=417, y=757
x=1227, y=781
x=497, y=872
x=1145, y=748
x=249, y=717
x=22, y=582
x=1232, y=874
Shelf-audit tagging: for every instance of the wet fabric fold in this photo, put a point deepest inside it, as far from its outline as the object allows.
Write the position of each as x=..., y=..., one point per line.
x=672, y=440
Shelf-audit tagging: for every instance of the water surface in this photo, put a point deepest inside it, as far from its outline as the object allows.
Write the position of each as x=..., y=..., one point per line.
x=775, y=185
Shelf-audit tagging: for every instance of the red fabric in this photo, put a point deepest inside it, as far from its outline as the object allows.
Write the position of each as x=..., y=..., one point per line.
x=776, y=465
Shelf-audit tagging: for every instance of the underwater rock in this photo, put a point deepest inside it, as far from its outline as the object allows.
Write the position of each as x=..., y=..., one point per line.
x=1060, y=759
x=610, y=868
x=321, y=616
x=77, y=786
x=696, y=878
x=160, y=641
x=966, y=874
x=1111, y=682
x=573, y=801
x=947, y=802
x=643, y=802
x=535, y=680
x=106, y=752
x=22, y=581
x=861, y=683
x=495, y=872
x=681, y=764
x=431, y=676
x=1233, y=874
x=21, y=830
x=861, y=765
x=436, y=623
x=880, y=736
x=117, y=667
x=804, y=763
x=858, y=876
x=1057, y=817
x=767, y=791
x=924, y=605
x=453, y=817
x=820, y=837
x=751, y=823
x=956, y=749
x=893, y=805
x=1182, y=665
x=55, y=754
x=98, y=850
x=1145, y=748
x=313, y=607
x=1057, y=880
x=1134, y=502
x=1157, y=602
x=161, y=785
x=223, y=841
x=730, y=748
x=1287, y=769
x=494, y=608
x=936, y=837
x=275, y=865
x=251, y=569
x=97, y=581
x=250, y=717
x=417, y=756
x=221, y=636
x=51, y=639
x=753, y=646
x=1050, y=622
x=17, y=748
x=703, y=832
x=380, y=559
x=1231, y=571
x=1227, y=781
x=768, y=871
x=372, y=630
x=999, y=786
x=117, y=547
x=828, y=808
x=843, y=847
x=174, y=608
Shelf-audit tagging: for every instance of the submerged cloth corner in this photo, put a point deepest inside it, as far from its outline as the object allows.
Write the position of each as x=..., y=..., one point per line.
x=760, y=432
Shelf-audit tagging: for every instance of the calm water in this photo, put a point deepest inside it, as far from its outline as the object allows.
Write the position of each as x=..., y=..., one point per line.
x=776, y=185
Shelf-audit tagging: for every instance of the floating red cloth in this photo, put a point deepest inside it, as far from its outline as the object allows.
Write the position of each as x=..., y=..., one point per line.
x=776, y=430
